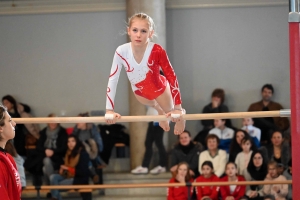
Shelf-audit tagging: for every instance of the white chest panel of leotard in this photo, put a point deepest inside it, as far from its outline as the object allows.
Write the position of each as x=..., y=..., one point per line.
x=138, y=71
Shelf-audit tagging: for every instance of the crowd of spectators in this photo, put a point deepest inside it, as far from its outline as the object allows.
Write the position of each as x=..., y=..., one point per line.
x=257, y=150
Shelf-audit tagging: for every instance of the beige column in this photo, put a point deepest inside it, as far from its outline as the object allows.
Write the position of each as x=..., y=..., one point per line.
x=157, y=10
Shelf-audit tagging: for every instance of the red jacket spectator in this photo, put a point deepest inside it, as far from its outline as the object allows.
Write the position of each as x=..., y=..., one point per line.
x=10, y=184
x=210, y=191
x=238, y=192
x=179, y=193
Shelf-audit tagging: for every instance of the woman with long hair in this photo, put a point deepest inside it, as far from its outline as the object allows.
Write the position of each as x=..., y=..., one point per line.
x=279, y=150
x=9, y=177
x=236, y=145
x=232, y=192
x=74, y=170
x=256, y=170
x=181, y=176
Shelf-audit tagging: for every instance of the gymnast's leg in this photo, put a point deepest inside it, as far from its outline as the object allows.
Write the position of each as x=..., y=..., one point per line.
x=153, y=103
x=165, y=101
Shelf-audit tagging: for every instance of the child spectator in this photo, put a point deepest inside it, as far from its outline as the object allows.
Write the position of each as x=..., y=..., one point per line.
x=254, y=132
x=207, y=192
x=232, y=192
x=224, y=133
x=279, y=191
x=242, y=159
x=215, y=106
x=217, y=156
x=181, y=175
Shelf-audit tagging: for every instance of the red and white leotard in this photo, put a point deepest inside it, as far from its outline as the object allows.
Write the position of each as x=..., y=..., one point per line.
x=144, y=77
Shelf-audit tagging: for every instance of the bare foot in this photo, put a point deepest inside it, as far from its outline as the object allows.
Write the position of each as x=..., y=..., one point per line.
x=164, y=125
x=179, y=125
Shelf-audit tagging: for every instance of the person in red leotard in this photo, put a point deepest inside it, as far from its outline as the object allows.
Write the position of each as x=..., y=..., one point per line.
x=143, y=60
x=10, y=183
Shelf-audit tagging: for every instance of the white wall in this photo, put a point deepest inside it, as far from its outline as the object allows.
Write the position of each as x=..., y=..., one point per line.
x=61, y=62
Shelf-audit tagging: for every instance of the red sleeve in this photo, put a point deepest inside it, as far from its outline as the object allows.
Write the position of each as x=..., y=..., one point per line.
x=215, y=189
x=170, y=75
x=242, y=189
x=170, y=192
x=3, y=182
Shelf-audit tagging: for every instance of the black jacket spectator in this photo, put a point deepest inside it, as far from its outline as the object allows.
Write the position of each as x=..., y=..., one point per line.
x=189, y=154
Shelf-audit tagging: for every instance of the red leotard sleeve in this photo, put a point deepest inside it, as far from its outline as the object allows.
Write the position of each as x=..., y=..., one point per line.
x=170, y=74
x=113, y=80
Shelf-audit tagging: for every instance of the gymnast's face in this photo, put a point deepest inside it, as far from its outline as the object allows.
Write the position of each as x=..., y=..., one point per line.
x=139, y=32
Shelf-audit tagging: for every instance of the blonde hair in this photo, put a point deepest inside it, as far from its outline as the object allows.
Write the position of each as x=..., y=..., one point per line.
x=143, y=16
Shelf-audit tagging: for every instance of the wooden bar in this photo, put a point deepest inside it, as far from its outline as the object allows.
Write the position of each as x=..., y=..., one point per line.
x=151, y=185
x=147, y=118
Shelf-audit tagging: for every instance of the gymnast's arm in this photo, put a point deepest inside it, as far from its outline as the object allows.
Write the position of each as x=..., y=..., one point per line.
x=171, y=77
x=112, y=87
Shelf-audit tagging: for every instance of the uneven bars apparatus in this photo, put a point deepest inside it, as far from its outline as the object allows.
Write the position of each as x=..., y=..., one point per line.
x=151, y=185
x=147, y=118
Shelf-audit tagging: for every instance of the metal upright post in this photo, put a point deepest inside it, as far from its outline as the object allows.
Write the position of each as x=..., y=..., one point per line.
x=294, y=35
